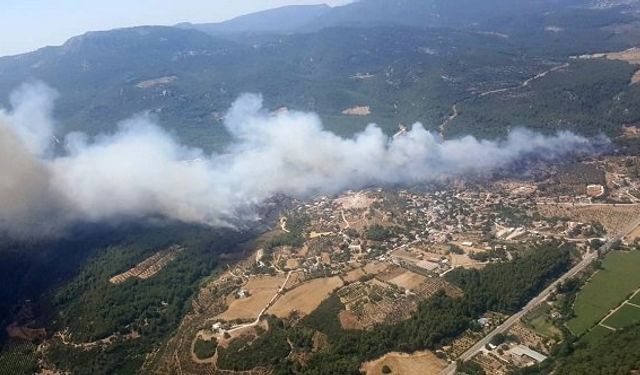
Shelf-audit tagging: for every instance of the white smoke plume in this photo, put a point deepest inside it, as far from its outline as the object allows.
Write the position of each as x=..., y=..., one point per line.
x=141, y=171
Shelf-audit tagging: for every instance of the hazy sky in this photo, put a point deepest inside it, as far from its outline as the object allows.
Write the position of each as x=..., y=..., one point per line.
x=26, y=25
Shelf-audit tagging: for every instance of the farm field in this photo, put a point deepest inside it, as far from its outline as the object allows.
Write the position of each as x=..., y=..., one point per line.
x=624, y=317
x=261, y=290
x=408, y=280
x=306, y=297
x=606, y=290
x=353, y=275
x=463, y=260
x=401, y=363
x=635, y=299
x=150, y=266
x=635, y=234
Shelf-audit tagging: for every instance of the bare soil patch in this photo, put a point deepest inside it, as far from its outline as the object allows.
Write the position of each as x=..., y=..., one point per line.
x=353, y=275
x=630, y=131
x=355, y=201
x=463, y=260
x=357, y=111
x=25, y=333
x=408, y=280
x=349, y=320
x=375, y=267
x=634, y=235
x=156, y=82
x=425, y=363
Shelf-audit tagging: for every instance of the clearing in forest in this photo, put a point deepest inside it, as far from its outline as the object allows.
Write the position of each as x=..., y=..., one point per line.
x=150, y=266
x=425, y=363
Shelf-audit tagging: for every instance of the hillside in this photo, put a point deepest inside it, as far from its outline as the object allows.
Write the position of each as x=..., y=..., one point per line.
x=314, y=253
x=187, y=79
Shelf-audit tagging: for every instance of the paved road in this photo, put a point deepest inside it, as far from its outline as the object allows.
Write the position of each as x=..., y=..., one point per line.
x=584, y=263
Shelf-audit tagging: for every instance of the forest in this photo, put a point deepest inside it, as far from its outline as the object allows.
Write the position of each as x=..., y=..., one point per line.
x=137, y=314
x=614, y=354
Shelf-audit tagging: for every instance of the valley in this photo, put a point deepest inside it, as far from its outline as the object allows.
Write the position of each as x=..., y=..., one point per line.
x=375, y=187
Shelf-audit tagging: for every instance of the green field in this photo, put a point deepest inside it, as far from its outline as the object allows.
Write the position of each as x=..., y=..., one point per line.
x=595, y=335
x=539, y=321
x=636, y=299
x=606, y=290
x=624, y=317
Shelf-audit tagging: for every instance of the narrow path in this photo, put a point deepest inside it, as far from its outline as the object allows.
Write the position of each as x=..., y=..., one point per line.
x=455, y=108
x=449, y=120
x=607, y=327
x=266, y=307
x=283, y=224
x=345, y=219
x=625, y=302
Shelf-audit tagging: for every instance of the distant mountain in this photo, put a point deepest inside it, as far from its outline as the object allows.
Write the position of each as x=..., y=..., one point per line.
x=468, y=14
x=367, y=13
x=283, y=19
x=437, y=13
x=407, y=60
x=105, y=77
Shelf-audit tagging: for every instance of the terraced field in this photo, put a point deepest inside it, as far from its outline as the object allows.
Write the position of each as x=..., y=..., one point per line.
x=614, y=218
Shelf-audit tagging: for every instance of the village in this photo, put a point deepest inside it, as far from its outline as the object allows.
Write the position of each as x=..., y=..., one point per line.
x=383, y=251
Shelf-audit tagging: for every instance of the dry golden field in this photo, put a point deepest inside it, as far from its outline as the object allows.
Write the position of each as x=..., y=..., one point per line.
x=306, y=297
x=425, y=363
x=261, y=289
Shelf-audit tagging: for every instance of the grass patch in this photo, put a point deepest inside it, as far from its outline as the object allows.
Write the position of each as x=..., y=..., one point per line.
x=606, y=290
x=540, y=321
x=624, y=317
x=595, y=335
x=205, y=349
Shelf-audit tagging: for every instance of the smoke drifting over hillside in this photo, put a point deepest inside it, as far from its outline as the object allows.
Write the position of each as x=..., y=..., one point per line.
x=141, y=171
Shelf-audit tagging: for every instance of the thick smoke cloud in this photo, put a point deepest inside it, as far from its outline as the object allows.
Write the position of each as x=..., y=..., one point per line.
x=141, y=171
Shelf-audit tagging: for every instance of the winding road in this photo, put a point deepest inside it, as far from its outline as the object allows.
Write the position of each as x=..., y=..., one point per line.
x=455, y=109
